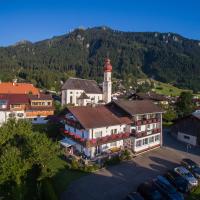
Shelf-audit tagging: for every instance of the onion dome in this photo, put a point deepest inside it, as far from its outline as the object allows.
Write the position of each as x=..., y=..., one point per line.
x=107, y=65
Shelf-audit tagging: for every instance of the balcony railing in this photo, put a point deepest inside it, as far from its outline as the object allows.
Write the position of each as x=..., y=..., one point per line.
x=97, y=141
x=145, y=133
x=147, y=121
x=73, y=123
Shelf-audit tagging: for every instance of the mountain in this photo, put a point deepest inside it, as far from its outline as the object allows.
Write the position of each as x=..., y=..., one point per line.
x=167, y=57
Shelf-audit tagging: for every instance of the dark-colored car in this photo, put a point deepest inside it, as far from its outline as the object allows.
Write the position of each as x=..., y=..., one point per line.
x=149, y=191
x=188, y=163
x=167, y=189
x=134, y=196
x=192, y=166
x=178, y=181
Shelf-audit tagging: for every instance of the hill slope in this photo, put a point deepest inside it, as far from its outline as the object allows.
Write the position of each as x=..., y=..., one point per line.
x=165, y=57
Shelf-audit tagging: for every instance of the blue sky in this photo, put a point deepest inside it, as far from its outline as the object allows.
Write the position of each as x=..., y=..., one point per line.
x=40, y=19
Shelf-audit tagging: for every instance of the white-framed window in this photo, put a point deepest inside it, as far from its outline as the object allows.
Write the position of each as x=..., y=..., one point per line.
x=20, y=114
x=145, y=141
x=151, y=139
x=138, y=143
x=11, y=115
x=157, y=137
x=98, y=134
x=113, y=131
x=113, y=144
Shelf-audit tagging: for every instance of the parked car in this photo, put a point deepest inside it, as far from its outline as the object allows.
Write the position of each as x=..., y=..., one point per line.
x=178, y=181
x=149, y=191
x=187, y=175
x=167, y=189
x=192, y=166
x=134, y=196
x=188, y=163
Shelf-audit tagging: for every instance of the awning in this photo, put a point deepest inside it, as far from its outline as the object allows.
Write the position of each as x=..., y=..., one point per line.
x=66, y=142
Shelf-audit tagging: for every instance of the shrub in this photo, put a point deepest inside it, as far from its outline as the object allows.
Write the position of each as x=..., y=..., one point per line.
x=75, y=164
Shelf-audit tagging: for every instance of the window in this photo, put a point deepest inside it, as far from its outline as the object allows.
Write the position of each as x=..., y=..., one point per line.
x=186, y=137
x=157, y=137
x=98, y=134
x=11, y=115
x=145, y=141
x=139, y=128
x=151, y=139
x=139, y=143
x=3, y=103
x=148, y=126
x=70, y=99
x=20, y=114
x=113, y=144
x=113, y=131
x=15, y=106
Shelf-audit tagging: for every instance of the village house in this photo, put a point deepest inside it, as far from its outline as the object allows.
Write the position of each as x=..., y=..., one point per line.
x=187, y=129
x=156, y=98
x=25, y=106
x=82, y=92
x=94, y=130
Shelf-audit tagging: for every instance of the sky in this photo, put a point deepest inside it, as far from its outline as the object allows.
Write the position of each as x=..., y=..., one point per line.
x=36, y=20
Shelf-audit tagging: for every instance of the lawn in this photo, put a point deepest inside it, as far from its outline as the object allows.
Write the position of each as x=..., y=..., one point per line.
x=195, y=195
x=167, y=89
x=64, y=177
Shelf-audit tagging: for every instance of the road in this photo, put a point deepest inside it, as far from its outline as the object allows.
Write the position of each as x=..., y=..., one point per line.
x=116, y=182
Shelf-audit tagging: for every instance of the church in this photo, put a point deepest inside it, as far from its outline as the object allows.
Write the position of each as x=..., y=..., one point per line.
x=82, y=92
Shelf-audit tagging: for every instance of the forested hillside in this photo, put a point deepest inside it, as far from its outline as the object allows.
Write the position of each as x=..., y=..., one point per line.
x=167, y=57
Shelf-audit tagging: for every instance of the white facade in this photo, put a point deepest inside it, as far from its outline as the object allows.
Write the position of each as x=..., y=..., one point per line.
x=107, y=87
x=72, y=97
x=146, y=143
x=97, y=133
x=190, y=139
x=5, y=115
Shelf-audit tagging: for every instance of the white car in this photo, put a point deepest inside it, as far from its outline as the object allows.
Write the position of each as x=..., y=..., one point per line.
x=187, y=175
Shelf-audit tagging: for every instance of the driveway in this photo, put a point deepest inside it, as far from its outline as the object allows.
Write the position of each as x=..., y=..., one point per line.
x=117, y=181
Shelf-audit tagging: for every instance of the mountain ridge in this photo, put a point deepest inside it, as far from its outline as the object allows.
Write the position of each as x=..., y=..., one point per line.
x=167, y=57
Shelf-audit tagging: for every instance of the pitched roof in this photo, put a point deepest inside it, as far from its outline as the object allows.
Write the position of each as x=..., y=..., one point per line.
x=89, y=86
x=189, y=125
x=94, y=117
x=137, y=106
x=148, y=96
x=17, y=88
x=41, y=96
x=15, y=98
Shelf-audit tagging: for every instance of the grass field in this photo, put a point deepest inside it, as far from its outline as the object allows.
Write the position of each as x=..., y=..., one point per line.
x=167, y=89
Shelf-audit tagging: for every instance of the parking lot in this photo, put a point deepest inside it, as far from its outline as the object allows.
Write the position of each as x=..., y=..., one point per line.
x=117, y=181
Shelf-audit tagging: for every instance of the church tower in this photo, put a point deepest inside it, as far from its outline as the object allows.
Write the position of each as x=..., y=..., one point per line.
x=107, y=84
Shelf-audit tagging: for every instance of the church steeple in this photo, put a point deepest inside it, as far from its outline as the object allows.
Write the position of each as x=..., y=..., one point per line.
x=107, y=84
